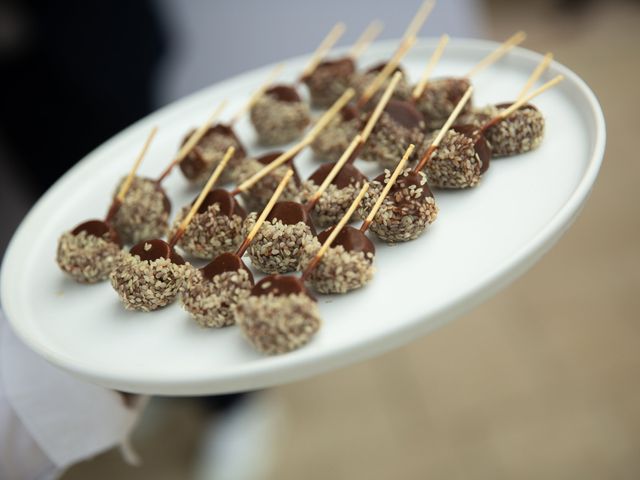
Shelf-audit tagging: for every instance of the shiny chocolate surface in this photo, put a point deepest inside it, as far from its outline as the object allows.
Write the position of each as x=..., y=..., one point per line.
x=351, y=239
x=225, y=262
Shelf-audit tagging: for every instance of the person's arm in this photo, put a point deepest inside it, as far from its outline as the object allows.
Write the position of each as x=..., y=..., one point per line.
x=49, y=420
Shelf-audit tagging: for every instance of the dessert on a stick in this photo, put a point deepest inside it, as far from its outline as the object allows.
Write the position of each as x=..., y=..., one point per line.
x=523, y=130
x=145, y=211
x=205, y=154
x=216, y=227
x=331, y=78
x=89, y=252
x=280, y=115
x=408, y=208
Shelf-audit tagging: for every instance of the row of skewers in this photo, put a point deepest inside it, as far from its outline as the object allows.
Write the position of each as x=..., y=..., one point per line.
x=450, y=148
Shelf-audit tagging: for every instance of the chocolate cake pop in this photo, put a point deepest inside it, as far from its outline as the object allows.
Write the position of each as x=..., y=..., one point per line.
x=145, y=212
x=520, y=133
x=280, y=315
x=456, y=157
x=341, y=190
x=89, y=252
x=335, y=137
x=216, y=227
x=202, y=159
x=405, y=213
x=212, y=293
x=437, y=98
x=280, y=116
x=280, y=242
x=331, y=78
x=523, y=130
x=152, y=273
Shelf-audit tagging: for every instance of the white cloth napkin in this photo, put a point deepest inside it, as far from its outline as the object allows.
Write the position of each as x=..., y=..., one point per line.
x=66, y=419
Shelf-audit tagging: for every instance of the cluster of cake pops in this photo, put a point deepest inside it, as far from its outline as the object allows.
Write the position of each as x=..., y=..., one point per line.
x=273, y=217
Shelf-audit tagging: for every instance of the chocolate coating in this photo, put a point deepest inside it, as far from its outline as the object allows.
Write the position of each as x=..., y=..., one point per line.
x=280, y=285
x=405, y=113
x=349, y=112
x=290, y=213
x=228, y=204
x=351, y=239
x=348, y=175
x=480, y=144
x=283, y=93
x=338, y=67
x=193, y=165
x=225, y=262
x=158, y=249
x=380, y=66
x=100, y=229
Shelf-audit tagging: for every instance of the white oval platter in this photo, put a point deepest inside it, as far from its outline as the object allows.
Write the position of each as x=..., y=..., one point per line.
x=483, y=239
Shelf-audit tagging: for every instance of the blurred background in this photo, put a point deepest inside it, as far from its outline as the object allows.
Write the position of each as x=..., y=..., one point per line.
x=542, y=381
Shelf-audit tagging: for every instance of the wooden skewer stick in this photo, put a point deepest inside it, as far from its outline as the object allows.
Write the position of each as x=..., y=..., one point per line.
x=313, y=199
x=207, y=188
x=386, y=96
x=324, y=47
x=419, y=18
x=192, y=141
x=385, y=191
x=124, y=188
x=334, y=233
x=433, y=61
x=498, y=53
x=257, y=94
x=520, y=102
x=265, y=213
x=327, y=116
x=368, y=36
x=293, y=151
x=388, y=69
x=445, y=128
x=542, y=66
x=281, y=160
